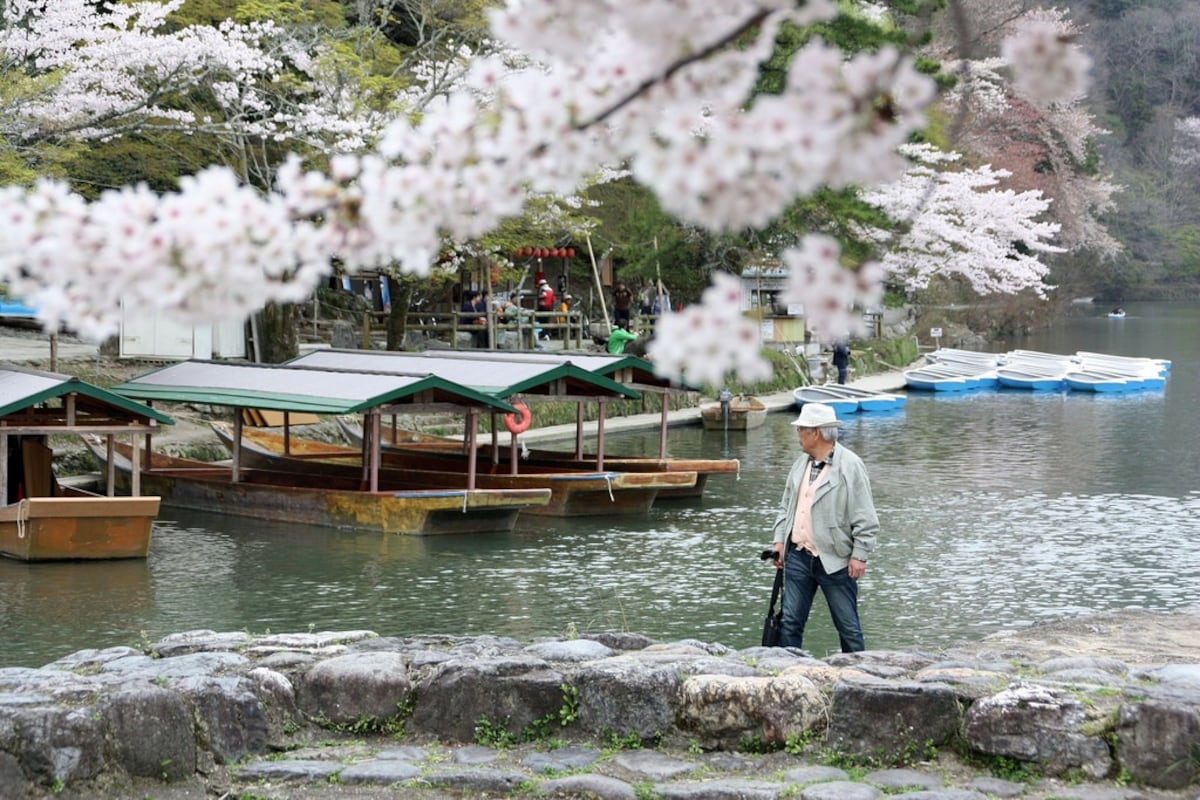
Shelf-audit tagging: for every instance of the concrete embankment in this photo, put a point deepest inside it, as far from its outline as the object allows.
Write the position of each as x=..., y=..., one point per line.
x=608, y=716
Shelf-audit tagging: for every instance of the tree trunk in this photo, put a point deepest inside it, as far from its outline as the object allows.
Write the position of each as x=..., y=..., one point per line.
x=397, y=320
x=277, y=340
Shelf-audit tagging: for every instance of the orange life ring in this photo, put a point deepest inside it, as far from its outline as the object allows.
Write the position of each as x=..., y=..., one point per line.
x=519, y=425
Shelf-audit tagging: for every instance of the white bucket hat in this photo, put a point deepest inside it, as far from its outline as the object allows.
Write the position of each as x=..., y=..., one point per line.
x=816, y=415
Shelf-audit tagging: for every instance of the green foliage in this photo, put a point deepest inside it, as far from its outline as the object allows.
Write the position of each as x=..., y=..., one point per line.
x=493, y=735
x=756, y=745
x=798, y=744
x=1011, y=769
x=644, y=791
x=614, y=742
x=569, y=712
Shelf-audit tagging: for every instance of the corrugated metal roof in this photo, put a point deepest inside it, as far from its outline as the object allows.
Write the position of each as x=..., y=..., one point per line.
x=494, y=372
x=277, y=387
x=22, y=389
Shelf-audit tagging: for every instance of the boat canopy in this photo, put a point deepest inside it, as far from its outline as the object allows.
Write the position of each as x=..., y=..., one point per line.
x=278, y=387
x=26, y=407
x=496, y=374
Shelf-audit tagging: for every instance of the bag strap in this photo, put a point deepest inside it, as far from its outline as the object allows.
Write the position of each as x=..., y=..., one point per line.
x=776, y=590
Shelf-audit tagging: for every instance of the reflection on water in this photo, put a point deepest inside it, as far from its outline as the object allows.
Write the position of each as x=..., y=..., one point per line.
x=999, y=509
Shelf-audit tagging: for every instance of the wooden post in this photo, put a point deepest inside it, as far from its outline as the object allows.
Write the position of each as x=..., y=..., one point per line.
x=472, y=432
x=110, y=473
x=236, y=475
x=600, y=435
x=579, y=430
x=662, y=433
x=599, y=285
x=135, y=486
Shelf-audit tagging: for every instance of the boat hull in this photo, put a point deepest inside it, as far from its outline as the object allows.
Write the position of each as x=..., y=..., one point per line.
x=842, y=406
x=572, y=493
x=323, y=501
x=746, y=415
x=77, y=528
x=400, y=439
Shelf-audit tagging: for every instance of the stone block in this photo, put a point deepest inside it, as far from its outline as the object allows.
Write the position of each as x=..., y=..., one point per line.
x=356, y=687
x=509, y=692
x=898, y=717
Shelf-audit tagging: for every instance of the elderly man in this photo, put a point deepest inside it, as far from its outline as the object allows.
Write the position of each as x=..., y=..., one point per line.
x=825, y=530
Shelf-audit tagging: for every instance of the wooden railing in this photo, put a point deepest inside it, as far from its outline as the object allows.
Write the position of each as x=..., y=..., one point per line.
x=565, y=326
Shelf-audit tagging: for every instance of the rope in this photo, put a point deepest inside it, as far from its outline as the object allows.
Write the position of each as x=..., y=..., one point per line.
x=738, y=461
x=608, y=482
x=22, y=516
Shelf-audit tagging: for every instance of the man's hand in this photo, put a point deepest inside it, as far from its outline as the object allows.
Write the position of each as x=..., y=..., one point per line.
x=778, y=559
x=856, y=568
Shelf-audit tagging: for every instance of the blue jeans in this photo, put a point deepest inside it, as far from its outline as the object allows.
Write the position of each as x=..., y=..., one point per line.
x=802, y=575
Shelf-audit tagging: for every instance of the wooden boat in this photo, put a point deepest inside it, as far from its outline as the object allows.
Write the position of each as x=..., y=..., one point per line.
x=745, y=413
x=41, y=520
x=77, y=526
x=394, y=438
x=572, y=492
x=323, y=499
x=582, y=377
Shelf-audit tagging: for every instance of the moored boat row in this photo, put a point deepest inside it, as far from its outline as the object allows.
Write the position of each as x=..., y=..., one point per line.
x=958, y=370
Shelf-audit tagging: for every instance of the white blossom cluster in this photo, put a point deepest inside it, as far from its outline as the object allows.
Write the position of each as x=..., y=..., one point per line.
x=211, y=251
x=117, y=63
x=956, y=223
x=658, y=86
x=833, y=297
x=1047, y=66
x=708, y=341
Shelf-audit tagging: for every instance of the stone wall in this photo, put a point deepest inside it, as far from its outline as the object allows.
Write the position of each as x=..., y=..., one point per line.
x=195, y=701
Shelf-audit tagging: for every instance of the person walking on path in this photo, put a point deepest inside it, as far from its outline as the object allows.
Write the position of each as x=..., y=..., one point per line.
x=825, y=530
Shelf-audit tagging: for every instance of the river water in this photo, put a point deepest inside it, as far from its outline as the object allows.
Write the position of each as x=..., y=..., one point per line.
x=999, y=509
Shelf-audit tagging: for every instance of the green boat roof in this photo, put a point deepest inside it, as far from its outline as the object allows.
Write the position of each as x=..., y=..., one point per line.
x=495, y=373
x=276, y=387
x=23, y=391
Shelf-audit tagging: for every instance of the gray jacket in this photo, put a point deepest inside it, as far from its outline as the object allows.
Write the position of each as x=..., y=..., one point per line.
x=845, y=524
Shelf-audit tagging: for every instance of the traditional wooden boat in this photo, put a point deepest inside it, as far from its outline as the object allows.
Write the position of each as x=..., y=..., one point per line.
x=396, y=438
x=580, y=377
x=77, y=526
x=41, y=520
x=572, y=492
x=746, y=412
x=363, y=501
x=323, y=499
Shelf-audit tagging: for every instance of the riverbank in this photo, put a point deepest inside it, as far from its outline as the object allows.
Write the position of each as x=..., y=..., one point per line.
x=1078, y=709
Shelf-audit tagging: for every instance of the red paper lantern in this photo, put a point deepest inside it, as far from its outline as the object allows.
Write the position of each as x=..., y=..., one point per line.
x=570, y=252
x=527, y=252
x=556, y=253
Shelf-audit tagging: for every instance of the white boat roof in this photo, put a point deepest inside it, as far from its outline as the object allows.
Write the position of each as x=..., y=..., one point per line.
x=277, y=387
x=492, y=372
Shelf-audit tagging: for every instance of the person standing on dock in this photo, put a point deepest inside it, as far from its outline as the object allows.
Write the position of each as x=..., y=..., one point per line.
x=825, y=530
x=841, y=359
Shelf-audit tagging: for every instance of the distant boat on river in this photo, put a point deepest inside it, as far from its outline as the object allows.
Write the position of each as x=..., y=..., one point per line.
x=746, y=412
